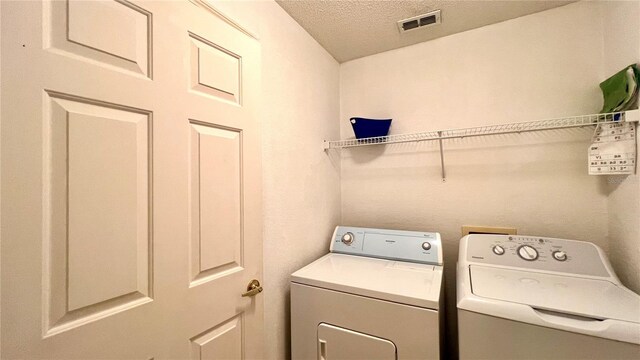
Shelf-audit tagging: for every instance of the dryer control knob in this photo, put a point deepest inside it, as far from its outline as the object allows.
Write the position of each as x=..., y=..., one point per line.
x=560, y=255
x=426, y=245
x=498, y=250
x=347, y=238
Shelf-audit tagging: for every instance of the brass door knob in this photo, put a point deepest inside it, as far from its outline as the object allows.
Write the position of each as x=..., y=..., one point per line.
x=253, y=288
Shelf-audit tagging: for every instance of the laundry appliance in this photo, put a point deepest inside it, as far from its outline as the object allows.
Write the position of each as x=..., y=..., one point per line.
x=530, y=297
x=377, y=295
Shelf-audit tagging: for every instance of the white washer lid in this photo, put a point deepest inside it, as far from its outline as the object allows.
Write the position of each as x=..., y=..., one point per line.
x=397, y=281
x=599, y=299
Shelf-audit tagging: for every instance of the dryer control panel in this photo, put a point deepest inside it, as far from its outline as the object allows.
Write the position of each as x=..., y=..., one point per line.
x=413, y=246
x=539, y=253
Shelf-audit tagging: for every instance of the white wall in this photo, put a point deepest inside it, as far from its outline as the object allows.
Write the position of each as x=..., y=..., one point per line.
x=621, y=48
x=301, y=183
x=539, y=66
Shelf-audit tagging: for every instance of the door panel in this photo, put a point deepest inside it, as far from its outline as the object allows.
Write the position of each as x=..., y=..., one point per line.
x=129, y=229
x=97, y=243
x=337, y=343
x=215, y=71
x=110, y=32
x=216, y=201
x=221, y=342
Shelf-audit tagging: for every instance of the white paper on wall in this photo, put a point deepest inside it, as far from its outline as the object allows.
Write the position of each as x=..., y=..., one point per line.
x=613, y=149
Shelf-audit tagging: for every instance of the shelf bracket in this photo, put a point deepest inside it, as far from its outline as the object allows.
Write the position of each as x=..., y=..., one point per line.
x=444, y=177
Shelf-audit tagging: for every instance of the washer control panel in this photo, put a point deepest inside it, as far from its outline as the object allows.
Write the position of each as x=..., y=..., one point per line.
x=533, y=252
x=414, y=246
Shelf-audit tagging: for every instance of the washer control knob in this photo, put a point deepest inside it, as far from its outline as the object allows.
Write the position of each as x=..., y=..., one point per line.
x=560, y=255
x=498, y=250
x=347, y=238
x=426, y=245
x=528, y=252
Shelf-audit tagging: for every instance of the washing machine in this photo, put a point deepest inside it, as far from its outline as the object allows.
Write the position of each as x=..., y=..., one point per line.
x=529, y=297
x=376, y=295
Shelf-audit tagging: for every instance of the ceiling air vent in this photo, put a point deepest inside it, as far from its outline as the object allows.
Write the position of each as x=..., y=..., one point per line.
x=420, y=21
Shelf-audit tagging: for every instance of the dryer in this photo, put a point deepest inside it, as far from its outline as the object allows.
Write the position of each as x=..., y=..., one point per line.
x=530, y=297
x=376, y=295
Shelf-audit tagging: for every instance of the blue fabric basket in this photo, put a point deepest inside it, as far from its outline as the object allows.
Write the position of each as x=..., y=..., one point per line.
x=366, y=128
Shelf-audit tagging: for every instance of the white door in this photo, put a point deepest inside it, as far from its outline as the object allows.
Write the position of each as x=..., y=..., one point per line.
x=130, y=189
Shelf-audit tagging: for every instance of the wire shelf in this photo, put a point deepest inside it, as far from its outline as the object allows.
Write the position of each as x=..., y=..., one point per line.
x=527, y=126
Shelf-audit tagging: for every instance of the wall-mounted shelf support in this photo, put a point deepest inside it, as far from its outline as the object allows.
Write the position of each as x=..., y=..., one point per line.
x=444, y=176
x=510, y=128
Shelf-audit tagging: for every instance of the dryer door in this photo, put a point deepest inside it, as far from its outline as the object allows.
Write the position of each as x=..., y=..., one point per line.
x=336, y=343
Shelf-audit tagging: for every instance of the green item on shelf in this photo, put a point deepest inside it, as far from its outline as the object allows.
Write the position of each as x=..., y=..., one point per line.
x=620, y=91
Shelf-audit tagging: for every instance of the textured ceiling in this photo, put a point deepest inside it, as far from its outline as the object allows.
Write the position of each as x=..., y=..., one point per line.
x=351, y=29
